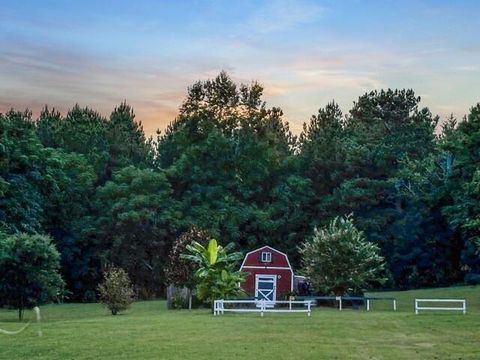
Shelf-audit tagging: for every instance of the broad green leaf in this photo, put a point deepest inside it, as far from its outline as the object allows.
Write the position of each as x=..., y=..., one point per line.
x=212, y=251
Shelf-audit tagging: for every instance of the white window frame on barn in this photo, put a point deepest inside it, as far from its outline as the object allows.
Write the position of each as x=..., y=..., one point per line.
x=266, y=257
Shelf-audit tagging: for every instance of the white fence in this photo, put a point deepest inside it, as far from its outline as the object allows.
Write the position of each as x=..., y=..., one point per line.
x=340, y=300
x=262, y=306
x=463, y=303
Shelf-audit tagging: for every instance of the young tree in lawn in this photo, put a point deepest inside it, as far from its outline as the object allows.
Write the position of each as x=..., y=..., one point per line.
x=215, y=270
x=116, y=291
x=179, y=271
x=29, y=271
x=339, y=260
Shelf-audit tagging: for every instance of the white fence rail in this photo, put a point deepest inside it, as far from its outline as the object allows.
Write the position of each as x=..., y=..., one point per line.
x=463, y=303
x=367, y=300
x=262, y=306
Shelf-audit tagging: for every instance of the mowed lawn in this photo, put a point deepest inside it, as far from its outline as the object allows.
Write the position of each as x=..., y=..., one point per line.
x=149, y=331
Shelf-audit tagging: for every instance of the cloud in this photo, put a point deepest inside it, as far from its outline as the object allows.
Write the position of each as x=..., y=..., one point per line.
x=304, y=54
x=37, y=74
x=466, y=68
x=281, y=15
x=475, y=50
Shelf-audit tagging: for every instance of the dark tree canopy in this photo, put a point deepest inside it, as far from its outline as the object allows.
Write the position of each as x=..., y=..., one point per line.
x=229, y=164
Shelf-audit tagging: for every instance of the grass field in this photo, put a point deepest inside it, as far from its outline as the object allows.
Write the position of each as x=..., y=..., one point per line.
x=149, y=331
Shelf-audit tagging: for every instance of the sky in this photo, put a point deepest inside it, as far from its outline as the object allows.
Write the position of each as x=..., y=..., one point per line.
x=305, y=53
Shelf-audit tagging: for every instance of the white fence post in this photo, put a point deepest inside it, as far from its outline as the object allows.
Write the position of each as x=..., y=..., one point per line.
x=394, y=305
x=262, y=307
x=218, y=307
x=368, y=305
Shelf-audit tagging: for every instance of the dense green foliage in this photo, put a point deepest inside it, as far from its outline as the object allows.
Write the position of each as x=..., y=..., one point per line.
x=339, y=260
x=229, y=165
x=215, y=270
x=116, y=291
x=29, y=276
x=132, y=227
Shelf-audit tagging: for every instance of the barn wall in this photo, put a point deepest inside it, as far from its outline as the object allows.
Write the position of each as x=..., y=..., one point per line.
x=284, y=283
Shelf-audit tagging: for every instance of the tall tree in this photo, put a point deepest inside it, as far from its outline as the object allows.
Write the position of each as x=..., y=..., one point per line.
x=429, y=251
x=21, y=174
x=126, y=139
x=84, y=131
x=37, y=185
x=353, y=164
x=67, y=199
x=382, y=129
x=136, y=226
x=230, y=160
x=49, y=126
x=463, y=213
x=322, y=158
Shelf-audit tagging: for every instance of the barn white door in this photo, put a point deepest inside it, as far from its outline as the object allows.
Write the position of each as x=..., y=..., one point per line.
x=266, y=288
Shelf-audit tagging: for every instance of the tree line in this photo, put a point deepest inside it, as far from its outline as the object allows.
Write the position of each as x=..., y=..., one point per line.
x=230, y=166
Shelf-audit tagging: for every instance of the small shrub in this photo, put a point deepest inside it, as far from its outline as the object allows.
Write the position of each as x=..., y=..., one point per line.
x=178, y=302
x=116, y=291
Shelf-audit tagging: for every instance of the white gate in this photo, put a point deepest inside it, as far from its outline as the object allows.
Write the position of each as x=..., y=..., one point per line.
x=266, y=289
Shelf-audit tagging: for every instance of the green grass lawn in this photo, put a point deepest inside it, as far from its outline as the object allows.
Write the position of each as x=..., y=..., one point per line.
x=149, y=331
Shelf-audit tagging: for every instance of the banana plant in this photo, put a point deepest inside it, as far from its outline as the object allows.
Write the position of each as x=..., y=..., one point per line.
x=213, y=255
x=215, y=270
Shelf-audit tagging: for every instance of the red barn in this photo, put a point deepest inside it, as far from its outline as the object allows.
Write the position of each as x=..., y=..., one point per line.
x=270, y=276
